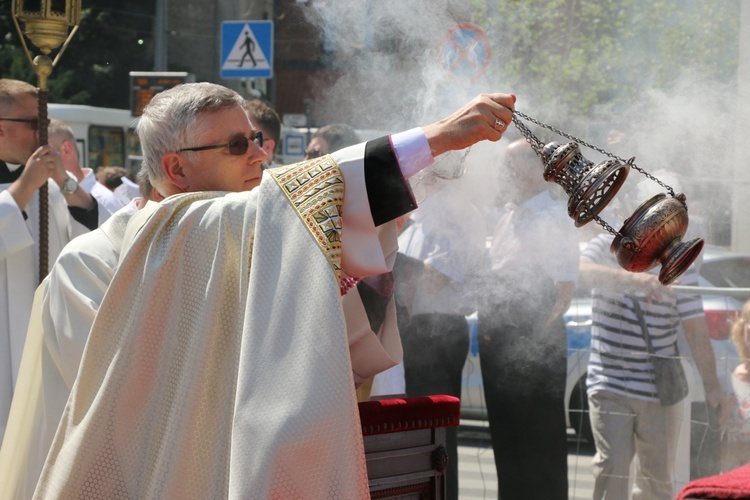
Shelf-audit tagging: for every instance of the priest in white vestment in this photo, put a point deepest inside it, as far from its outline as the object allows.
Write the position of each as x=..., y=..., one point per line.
x=205, y=376
x=65, y=308
x=24, y=168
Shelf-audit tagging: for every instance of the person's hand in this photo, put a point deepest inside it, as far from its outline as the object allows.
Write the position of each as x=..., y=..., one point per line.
x=727, y=403
x=648, y=284
x=486, y=117
x=44, y=163
x=718, y=401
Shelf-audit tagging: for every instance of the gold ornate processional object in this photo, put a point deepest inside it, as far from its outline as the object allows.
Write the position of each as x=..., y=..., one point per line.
x=652, y=235
x=46, y=23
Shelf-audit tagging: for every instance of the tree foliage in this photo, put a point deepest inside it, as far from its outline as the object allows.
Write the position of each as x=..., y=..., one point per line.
x=586, y=53
x=579, y=54
x=110, y=42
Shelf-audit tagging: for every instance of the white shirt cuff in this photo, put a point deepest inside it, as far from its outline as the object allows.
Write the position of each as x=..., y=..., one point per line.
x=412, y=151
x=88, y=182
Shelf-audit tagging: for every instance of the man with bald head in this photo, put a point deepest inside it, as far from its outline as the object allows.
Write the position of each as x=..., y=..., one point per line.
x=218, y=363
x=522, y=335
x=61, y=138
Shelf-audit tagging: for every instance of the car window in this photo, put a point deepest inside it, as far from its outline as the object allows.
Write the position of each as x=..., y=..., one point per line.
x=728, y=273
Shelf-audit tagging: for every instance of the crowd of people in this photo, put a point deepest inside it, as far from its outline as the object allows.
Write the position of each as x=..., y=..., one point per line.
x=192, y=340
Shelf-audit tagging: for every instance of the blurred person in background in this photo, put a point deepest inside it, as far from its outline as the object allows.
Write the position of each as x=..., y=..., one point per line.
x=627, y=419
x=330, y=138
x=265, y=119
x=735, y=443
x=522, y=336
x=61, y=138
x=127, y=191
x=112, y=176
x=447, y=236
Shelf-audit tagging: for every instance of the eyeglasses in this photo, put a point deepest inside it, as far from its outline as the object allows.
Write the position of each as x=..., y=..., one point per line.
x=237, y=147
x=313, y=153
x=33, y=122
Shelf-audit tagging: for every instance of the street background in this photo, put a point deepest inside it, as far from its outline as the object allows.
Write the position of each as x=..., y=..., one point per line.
x=476, y=466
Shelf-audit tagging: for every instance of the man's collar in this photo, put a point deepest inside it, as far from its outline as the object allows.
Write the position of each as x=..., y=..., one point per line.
x=9, y=173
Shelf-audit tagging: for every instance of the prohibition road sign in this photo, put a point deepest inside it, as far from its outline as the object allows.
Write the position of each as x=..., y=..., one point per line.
x=465, y=51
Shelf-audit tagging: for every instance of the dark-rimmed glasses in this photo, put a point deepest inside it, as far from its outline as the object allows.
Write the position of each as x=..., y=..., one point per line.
x=313, y=153
x=33, y=122
x=237, y=147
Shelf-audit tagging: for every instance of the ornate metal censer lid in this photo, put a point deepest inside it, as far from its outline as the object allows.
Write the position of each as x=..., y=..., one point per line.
x=652, y=235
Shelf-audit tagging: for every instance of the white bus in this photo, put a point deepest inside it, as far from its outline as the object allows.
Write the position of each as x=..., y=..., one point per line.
x=105, y=136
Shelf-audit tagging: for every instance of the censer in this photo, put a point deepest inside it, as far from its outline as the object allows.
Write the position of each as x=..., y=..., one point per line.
x=652, y=235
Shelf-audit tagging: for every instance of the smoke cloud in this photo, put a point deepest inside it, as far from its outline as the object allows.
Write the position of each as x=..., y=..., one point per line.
x=672, y=108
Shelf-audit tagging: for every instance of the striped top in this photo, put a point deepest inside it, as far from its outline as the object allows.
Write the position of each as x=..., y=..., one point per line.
x=619, y=357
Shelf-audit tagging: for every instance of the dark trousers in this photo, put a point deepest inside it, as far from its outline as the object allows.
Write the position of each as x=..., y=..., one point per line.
x=523, y=373
x=435, y=350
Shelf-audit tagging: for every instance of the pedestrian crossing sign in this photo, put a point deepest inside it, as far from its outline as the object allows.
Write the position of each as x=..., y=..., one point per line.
x=247, y=49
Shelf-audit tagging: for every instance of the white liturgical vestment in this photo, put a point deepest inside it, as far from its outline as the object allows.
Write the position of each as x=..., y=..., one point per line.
x=205, y=376
x=19, y=273
x=58, y=329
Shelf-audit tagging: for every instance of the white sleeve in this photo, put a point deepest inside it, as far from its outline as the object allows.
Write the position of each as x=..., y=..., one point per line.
x=14, y=233
x=412, y=151
x=366, y=250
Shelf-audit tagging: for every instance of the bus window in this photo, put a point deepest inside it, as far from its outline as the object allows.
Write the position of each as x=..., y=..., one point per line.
x=134, y=151
x=106, y=146
x=134, y=143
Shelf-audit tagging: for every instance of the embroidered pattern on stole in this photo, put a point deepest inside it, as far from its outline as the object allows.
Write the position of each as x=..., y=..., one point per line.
x=315, y=189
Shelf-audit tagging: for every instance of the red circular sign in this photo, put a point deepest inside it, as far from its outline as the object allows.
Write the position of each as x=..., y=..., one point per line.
x=465, y=51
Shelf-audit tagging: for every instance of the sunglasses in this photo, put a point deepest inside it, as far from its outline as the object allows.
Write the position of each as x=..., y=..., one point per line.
x=237, y=147
x=33, y=122
x=313, y=153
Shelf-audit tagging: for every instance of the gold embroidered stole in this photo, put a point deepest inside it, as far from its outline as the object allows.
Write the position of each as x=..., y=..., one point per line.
x=316, y=191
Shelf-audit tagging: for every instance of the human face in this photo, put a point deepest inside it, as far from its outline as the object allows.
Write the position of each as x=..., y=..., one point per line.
x=317, y=147
x=268, y=143
x=18, y=140
x=218, y=169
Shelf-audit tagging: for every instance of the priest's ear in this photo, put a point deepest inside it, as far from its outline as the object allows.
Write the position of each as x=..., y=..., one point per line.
x=174, y=168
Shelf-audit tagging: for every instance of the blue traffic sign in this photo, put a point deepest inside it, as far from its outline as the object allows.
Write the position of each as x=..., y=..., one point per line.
x=247, y=49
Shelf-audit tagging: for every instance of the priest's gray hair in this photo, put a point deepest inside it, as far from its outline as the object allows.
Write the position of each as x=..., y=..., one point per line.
x=167, y=121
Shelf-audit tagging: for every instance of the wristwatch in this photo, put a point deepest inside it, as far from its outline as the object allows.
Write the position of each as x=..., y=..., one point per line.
x=69, y=186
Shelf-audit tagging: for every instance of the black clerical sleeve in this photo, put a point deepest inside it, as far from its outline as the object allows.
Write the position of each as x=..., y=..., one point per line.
x=88, y=217
x=388, y=192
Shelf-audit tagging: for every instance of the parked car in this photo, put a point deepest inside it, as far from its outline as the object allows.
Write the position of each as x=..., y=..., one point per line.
x=720, y=268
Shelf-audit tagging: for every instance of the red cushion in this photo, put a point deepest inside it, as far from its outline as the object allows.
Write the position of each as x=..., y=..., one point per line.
x=405, y=414
x=734, y=484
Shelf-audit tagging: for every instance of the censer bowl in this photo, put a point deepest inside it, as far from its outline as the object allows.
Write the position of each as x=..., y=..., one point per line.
x=653, y=235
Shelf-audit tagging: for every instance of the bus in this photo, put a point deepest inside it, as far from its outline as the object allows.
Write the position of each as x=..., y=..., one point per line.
x=105, y=136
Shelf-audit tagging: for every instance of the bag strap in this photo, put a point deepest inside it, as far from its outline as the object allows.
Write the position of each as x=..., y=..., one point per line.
x=644, y=328
x=646, y=335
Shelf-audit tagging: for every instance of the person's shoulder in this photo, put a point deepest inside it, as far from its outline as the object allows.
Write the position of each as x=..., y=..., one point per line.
x=599, y=243
x=213, y=204
x=81, y=250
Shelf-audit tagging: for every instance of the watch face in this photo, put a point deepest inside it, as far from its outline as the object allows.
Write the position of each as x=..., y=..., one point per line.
x=70, y=185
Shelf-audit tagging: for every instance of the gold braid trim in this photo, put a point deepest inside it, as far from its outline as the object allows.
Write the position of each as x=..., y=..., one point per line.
x=315, y=188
